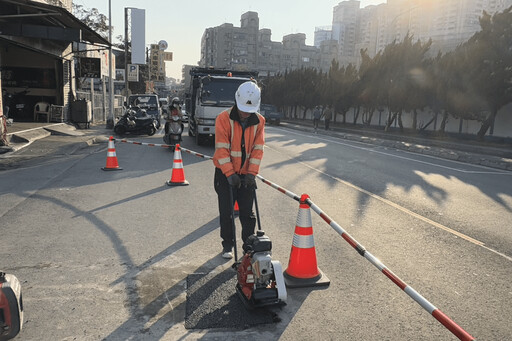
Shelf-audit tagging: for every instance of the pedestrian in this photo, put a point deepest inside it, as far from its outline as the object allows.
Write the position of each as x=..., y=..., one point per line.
x=327, y=116
x=239, y=140
x=3, y=122
x=317, y=114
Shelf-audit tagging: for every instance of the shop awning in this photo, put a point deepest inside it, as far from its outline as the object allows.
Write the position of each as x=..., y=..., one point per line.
x=26, y=18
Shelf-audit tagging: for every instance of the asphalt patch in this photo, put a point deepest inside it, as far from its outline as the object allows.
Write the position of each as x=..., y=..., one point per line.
x=212, y=302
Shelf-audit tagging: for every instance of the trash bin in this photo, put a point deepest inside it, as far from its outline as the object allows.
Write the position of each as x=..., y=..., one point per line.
x=81, y=112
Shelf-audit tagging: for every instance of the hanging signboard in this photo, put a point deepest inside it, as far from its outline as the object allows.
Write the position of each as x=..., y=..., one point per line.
x=90, y=67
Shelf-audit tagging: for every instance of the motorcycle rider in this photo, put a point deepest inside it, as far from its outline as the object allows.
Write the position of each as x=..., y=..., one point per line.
x=174, y=110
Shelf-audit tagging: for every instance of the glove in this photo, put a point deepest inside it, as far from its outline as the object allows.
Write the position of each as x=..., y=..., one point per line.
x=234, y=180
x=250, y=180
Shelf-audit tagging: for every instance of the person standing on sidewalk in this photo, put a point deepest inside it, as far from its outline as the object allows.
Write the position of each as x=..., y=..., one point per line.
x=239, y=140
x=3, y=124
x=317, y=114
x=327, y=116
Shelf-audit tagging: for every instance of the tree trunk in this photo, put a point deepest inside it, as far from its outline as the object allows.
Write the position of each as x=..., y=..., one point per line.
x=422, y=128
x=486, y=124
x=414, y=120
x=400, y=123
x=356, y=113
x=442, y=126
x=391, y=119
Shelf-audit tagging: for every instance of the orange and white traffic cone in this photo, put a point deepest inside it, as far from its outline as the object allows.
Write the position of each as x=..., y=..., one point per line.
x=302, y=268
x=111, y=157
x=178, y=174
x=236, y=209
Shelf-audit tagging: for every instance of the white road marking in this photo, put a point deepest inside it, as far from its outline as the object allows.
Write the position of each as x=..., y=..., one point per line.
x=401, y=208
x=487, y=169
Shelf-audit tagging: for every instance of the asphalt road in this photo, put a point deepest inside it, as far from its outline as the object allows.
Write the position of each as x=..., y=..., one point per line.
x=106, y=255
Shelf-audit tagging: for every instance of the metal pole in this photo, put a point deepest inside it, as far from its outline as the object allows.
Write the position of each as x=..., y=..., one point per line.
x=110, y=116
x=126, y=52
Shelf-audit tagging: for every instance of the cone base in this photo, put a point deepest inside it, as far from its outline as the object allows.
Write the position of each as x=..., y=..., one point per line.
x=184, y=183
x=295, y=282
x=111, y=169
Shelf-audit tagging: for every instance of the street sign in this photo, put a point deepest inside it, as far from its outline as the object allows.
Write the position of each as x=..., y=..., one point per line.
x=133, y=73
x=168, y=56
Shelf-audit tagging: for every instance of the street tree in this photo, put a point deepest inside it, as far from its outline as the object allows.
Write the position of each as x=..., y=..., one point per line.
x=92, y=18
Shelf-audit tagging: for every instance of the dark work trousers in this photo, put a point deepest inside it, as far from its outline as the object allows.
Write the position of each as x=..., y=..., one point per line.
x=327, y=121
x=245, y=198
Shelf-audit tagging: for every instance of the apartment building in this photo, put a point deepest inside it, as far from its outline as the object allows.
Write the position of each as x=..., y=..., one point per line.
x=447, y=22
x=250, y=48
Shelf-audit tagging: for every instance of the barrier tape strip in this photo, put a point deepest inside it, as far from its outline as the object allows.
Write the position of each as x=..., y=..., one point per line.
x=448, y=323
x=165, y=146
x=436, y=313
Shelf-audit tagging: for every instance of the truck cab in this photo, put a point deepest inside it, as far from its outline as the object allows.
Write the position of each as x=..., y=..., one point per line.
x=211, y=92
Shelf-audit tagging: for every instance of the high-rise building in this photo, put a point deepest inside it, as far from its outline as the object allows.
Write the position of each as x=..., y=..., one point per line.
x=344, y=25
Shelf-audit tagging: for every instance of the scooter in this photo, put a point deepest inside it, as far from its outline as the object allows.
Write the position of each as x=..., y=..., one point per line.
x=135, y=121
x=260, y=280
x=15, y=105
x=174, y=129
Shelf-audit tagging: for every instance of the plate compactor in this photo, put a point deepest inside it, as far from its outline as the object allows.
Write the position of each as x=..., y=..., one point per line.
x=260, y=280
x=11, y=306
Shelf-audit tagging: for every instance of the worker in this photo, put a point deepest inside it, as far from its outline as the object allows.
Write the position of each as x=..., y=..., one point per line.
x=317, y=114
x=239, y=140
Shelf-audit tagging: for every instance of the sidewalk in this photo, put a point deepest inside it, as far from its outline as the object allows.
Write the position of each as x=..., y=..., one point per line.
x=22, y=134
x=492, y=155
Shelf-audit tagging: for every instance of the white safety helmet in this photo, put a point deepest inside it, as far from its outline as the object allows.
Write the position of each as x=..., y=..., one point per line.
x=248, y=97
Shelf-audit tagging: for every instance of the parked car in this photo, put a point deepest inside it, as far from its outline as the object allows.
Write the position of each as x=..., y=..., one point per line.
x=148, y=102
x=271, y=114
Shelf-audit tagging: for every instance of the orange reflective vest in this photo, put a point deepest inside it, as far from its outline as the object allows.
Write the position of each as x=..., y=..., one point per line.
x=228, y=143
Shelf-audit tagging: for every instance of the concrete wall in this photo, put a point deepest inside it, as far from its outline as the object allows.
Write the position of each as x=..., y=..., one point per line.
x=502, y=125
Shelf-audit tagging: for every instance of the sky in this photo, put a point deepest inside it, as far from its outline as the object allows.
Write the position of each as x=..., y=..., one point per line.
x=182, y=23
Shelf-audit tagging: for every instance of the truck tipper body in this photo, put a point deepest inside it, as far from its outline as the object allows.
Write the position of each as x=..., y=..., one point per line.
x=210, y=92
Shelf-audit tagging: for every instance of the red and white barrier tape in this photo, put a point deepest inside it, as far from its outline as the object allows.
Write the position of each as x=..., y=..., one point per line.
x=165, y=146
x=436, y=313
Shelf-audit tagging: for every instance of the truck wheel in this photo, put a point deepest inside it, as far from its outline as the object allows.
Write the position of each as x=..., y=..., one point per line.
x=199, y=139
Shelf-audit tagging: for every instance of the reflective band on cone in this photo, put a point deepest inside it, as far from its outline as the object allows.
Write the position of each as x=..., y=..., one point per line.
x=178, y=174
x=302, y=268
x=111, y=156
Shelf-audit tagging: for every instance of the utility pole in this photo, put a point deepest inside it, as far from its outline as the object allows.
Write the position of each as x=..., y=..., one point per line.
x=110, y=117
x=126, y=52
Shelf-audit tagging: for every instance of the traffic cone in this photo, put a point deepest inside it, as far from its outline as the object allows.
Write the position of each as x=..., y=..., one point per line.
x=302, y=268
x=236, y=209
x=177, y=175
x=111, y=157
